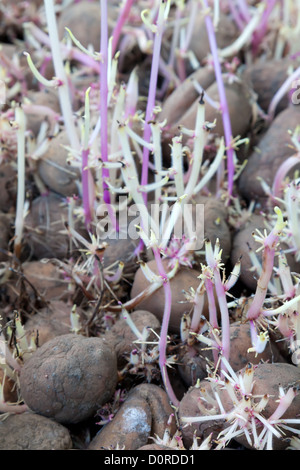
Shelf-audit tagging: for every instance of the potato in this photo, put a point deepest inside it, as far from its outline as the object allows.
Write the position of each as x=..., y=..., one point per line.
x=48, y=98
x=226, y=33
x=6, y=222
x=265, y=78
x=8, y=186
x=48, y=279
x=215, y=225
x=121, y=250
x=267, y=380
x=185, y=95
x=55, y=171
x=272, y=150
x=193, y=362
x=240, y=112
x=45, y=230
x=69, y=378
x=242, y=242
x=30, y=431
x=51, y=321
x=144, y=413
x=183, y=280
x=83, y=19
x=188, y=407
x=121, y=337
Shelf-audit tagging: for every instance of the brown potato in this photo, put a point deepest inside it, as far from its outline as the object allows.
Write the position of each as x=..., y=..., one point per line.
x=265, y=78
x=50, y=321
x=30, y=431
x=243, y=241
x=194, y=361
x=45, y=230
x=48, y=98
x=226, y=33
x=267, y=380
x=183, y=280
x=144, y=413
x=48, y=279
x=272, y=150
x=240, y=112
x=83, y=19
x=8, y=187
x=215, y=225
x=6, y=222
x=69, y=378
x=185, y=95
x=55, y=171
x=188, y=407
x=121, y=337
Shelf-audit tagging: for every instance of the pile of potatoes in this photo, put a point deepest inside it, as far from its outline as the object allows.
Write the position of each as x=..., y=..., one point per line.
x=93, y=384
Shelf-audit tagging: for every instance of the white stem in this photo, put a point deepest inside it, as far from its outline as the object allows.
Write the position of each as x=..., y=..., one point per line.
x=19, y=222
x=63, y=89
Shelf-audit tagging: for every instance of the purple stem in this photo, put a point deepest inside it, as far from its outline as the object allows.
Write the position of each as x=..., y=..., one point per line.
x=259, y=34
x=120, y=22
x=223, y=99
x=151, y=104
x=262, y=284
x=164, y=328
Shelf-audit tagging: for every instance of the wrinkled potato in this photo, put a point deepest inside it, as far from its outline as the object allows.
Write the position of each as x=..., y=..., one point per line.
x=183, y=280
x=30, y=431
x=144, y=413
x=121, y=337
x=55, y=171
x=69, y=378
x=272, y=150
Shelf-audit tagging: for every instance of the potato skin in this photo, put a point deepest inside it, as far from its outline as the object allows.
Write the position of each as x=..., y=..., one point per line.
x=265, y=78
x=272, y=150
x=243, y=241
x=50, y=321
x=121, y=337
x=30, y=431
x=69, y=378
x=267, y=380
x=183, y=280
x=54, y=170
x=144, y=413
